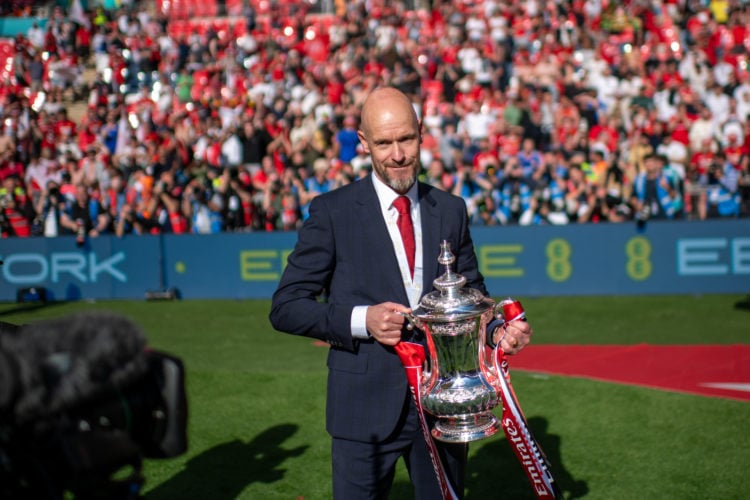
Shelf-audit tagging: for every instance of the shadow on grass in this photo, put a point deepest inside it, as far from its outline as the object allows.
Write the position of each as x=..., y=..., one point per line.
x=494, y=471
x=743, y=305
x=235, y=464
x=15, y=308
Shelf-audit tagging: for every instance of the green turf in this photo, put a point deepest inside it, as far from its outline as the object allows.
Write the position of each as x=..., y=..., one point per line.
x=257, y=401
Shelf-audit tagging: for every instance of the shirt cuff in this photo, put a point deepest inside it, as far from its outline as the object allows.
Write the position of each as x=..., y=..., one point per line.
x=490, y=331
x=359, y=322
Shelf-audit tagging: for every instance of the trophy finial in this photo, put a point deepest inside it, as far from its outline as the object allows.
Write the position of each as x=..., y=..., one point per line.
x=446, y=257
x=449, y=283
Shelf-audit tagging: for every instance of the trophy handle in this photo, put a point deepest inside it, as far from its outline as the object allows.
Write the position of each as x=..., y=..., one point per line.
x=497, y=311
x=488, y=355
x=411, y=320
x=429, y=372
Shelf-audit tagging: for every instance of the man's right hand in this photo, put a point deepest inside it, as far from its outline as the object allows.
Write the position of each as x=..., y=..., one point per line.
x=385, y=321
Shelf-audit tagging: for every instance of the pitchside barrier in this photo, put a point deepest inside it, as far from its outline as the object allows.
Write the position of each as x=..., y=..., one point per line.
x=601, y=259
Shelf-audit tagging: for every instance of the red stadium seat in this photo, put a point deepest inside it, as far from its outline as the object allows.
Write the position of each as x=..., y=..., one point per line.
x=179, y=9
x=234, y=7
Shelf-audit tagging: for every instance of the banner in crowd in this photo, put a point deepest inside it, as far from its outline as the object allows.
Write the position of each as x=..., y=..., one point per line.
x=602, y=259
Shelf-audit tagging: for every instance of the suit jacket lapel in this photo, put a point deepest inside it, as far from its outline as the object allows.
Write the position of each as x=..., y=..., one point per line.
x=430, y=238
x=379, y=244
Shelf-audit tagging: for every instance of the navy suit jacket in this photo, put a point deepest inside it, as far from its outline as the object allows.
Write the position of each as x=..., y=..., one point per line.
x=344, y=258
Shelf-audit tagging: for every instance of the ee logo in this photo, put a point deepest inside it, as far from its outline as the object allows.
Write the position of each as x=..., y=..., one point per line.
x=558, y=260
x=638, y=253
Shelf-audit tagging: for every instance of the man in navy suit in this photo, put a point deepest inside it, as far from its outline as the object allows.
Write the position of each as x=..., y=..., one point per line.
x=350, y=251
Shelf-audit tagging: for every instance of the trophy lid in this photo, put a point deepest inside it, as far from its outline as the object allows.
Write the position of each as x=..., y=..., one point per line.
x=451, y=301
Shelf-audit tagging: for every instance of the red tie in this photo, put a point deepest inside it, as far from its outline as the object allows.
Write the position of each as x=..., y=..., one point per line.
x=406, y=229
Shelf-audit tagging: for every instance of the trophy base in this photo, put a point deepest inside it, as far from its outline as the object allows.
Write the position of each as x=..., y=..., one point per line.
x=466, y=428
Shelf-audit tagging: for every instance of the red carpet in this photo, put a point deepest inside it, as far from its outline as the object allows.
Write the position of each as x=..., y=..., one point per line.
x=707, y=370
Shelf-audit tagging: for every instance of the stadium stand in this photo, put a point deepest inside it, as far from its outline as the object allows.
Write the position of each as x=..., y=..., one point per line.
x=214, y=115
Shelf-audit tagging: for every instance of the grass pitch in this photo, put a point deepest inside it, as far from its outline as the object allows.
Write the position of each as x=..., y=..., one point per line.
x=257, y=401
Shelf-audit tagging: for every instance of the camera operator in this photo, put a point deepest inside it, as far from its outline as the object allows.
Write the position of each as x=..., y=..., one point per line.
x=515, y=192
x=615, y=189
x=272, y=203
x=203, y=204
x=85, y=216
x=577, y=194
x=242, y=213
x=472, y=184
x=166, y=203
x=722, y=194
x=656, y=191
x=49, y=208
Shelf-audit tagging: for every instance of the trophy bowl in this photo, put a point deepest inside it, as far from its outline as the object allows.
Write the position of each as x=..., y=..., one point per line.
x=458, y=385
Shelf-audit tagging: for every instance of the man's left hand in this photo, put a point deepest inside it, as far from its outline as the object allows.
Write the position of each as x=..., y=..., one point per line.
x=513, y=336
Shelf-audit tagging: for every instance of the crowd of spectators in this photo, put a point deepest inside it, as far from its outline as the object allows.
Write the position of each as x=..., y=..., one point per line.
x=535, y=112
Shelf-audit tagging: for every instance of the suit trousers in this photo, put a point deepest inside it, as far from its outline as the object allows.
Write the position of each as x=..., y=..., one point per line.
x=364, y=470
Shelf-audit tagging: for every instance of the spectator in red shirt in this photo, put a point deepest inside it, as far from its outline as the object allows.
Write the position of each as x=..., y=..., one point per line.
x=486, y=159
x=605, y=133
x=63, y=126
x=10, y=166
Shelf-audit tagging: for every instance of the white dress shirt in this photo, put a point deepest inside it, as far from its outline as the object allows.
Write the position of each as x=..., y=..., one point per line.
x=413, y=286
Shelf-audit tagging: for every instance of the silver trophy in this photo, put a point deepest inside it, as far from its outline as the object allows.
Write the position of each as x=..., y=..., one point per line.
x=458, y=386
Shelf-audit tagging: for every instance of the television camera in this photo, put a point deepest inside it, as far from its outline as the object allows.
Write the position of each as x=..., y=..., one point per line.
x=83, y=401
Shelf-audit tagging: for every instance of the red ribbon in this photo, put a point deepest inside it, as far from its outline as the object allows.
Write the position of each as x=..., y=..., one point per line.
x=528, y=451
x=513, y=310
x=413, y=357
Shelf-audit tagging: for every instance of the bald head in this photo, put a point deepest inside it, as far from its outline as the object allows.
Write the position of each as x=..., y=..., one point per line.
x=386, y=100
x=390, y=134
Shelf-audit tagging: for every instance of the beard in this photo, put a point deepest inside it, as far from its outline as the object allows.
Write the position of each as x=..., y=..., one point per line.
x=400, y=184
